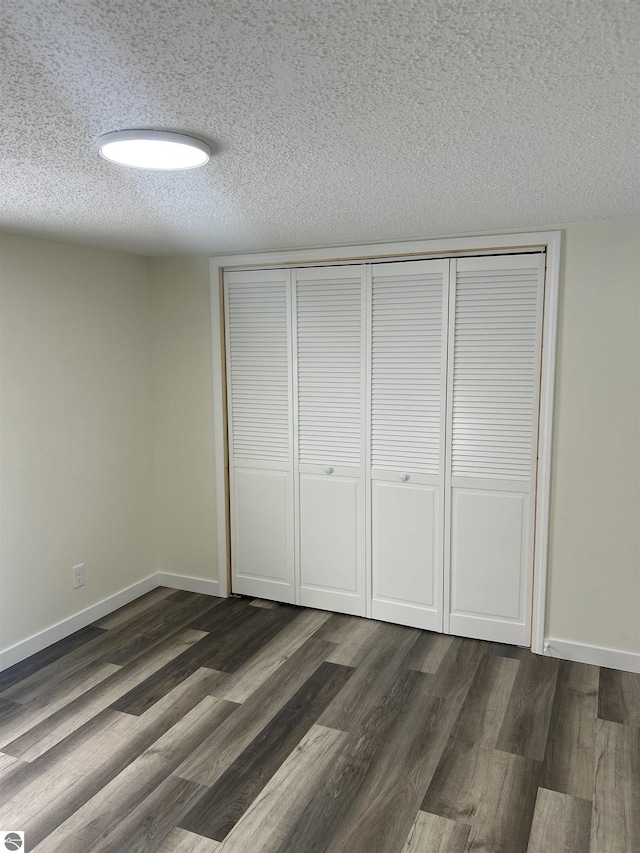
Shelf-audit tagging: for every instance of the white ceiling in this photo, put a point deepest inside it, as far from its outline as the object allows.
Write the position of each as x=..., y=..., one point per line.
x=334, y=121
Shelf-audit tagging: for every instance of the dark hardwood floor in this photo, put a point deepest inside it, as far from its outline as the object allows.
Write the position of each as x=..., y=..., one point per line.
x=188, y=723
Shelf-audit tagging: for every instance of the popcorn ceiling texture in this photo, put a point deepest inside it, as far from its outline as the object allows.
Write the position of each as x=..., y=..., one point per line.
x=334, y=121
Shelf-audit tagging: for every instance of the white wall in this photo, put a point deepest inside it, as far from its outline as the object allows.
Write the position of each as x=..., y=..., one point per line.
x=184, y=509
x=594, y=592
x=75, y=422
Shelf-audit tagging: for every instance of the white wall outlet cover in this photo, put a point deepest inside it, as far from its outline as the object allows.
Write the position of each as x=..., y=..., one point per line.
x=78, y=575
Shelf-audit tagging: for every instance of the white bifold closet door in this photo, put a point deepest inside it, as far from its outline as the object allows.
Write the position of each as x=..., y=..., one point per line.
x=493, y=396
x=329, y=398
x=383, y=424
x=408, y=394
x=260, y=428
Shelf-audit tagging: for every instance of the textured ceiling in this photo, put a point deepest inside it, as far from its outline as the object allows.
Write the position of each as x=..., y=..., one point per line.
x=334, y=121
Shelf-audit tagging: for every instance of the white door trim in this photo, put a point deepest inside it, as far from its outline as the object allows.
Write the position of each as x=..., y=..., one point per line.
x=545, y=442
x=550, y=241
x=218, y=349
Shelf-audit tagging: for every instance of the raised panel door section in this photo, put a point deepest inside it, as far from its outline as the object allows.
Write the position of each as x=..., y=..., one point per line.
x=409, y=303
x=490, y=552
x=494, y=381
x=329, y=394
x=259, y=400
x=407, y=553
x=331, y=543
x=263, y=534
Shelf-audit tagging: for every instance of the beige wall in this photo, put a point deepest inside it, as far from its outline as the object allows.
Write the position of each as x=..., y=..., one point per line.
x=594, y=592
x=184, y=508
x=75, y=421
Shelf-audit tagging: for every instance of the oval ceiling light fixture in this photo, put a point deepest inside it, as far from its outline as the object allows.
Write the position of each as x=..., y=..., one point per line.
x=153, y=149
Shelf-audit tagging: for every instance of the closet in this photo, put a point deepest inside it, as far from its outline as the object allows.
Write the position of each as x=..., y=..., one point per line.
x=382, y=425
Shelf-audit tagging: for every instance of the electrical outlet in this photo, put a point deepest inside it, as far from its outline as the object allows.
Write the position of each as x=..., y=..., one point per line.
x=78, y=575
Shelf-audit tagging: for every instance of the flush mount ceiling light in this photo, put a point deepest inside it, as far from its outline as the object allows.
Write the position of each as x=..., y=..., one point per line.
x=153, y=149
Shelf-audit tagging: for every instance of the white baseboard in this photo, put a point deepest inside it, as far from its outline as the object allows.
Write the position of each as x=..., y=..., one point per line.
x=26, y=648
x=186, y=583
x=597, y=655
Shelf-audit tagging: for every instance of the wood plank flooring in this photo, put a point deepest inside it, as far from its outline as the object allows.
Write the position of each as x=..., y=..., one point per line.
x=188, y=723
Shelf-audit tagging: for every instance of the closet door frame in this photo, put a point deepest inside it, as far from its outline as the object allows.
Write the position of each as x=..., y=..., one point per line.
x=546, y=241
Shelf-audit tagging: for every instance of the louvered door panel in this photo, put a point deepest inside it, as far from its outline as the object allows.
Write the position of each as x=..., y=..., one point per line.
x=409, y=303
x=407, y=366
x=330, y=367
x=494, y=380
x=329, y=351
x=495, y=373
x=259, y=367
x=259, y=389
